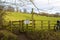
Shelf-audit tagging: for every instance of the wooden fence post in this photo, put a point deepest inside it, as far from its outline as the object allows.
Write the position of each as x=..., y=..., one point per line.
x=41, y=24
x=34, y=25
x=26, y=27
x=48, y=25
x=19, y=23
x=10, y=25
x=22, y=25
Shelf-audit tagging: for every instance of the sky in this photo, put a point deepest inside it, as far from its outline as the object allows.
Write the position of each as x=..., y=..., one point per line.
x=50, y=6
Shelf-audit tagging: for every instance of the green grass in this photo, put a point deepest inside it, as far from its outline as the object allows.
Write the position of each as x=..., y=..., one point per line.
x=16, y=16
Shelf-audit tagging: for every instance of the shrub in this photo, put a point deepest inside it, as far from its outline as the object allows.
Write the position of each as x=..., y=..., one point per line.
x=6, y=35
x=43, y=35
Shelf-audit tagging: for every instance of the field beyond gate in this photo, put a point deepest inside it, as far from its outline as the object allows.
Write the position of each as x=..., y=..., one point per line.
x=37, y=25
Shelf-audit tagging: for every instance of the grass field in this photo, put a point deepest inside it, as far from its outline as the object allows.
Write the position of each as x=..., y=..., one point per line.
x=16, y=16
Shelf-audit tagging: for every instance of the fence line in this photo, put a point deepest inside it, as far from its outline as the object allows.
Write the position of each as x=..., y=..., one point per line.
x=42, y=24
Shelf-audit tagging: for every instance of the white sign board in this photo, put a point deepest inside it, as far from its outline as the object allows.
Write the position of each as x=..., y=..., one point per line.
x=26, y=22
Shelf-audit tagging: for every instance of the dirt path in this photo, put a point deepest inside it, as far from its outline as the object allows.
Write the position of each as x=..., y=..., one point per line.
x=22, y=36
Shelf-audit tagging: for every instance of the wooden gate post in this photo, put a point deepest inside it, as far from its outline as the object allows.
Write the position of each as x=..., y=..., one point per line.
x=22, y=25
x=41, y=24
x=10, y=25
x=26, y=27
x=34, y=25
x=49, y=25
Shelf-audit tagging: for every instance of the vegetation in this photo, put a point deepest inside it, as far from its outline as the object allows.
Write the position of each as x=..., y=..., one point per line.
x=43, y=35
x=15, y=16
x=6, y=35
x=40, y=35
x=10, y=32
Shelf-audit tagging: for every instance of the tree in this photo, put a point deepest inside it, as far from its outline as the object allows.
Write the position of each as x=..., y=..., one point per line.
x=10, y=8
x=2, y=12
x=25, y=10
x=58, y=14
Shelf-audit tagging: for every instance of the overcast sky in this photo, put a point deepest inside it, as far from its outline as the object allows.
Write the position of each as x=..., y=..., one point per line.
x=51, y=6
x=48, y=5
